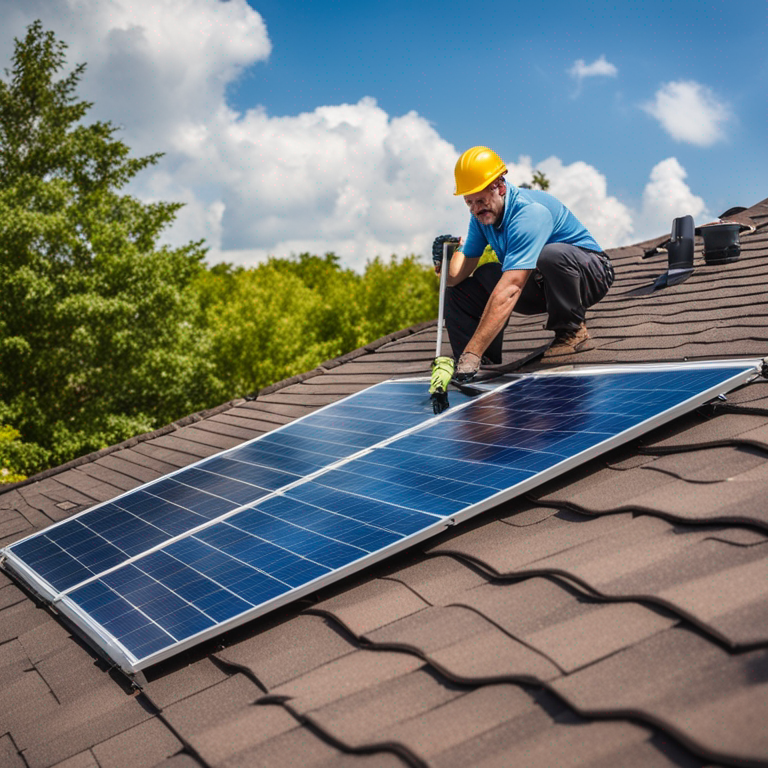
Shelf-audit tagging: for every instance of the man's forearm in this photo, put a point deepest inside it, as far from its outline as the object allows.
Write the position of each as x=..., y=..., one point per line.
x=497, y=311
x=460, y=268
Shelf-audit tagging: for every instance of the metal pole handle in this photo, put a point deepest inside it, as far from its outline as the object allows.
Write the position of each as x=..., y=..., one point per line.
x=449, y=246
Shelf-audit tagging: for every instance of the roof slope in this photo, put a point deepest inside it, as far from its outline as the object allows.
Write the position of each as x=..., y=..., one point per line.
x=616, y=616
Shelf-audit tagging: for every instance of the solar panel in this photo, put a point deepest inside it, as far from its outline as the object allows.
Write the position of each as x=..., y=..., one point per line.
x=184, y=558
x=110, y=534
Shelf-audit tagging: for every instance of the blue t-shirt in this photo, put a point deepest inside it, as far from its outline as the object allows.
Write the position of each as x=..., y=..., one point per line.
x=531, y=219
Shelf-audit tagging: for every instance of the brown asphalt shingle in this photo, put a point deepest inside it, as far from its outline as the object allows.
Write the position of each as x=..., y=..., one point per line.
x=288, y=650
x=616, y=617
x=147, y=744
x=712, y=700
x=465, y=647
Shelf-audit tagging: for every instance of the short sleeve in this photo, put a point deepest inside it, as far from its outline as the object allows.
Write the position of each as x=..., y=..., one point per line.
x=475, y=243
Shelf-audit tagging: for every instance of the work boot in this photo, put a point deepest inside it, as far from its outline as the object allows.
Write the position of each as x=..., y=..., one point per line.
x=569, y=341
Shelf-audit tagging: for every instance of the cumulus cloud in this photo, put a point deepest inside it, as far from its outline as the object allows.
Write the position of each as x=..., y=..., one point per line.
x=600, y=67
x=157, y=68
x=348, y=177
x=585, y=191
x=691, y=112
x=665, y=197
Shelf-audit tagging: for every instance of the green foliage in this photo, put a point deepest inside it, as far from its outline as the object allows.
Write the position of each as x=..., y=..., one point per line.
x=539, y=181
x=97, y=332
x=288, y=315
x=396, y=295
x=17, y=458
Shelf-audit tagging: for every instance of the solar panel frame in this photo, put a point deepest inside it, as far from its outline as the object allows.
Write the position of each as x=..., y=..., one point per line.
x=50, y=593
x=105, y=642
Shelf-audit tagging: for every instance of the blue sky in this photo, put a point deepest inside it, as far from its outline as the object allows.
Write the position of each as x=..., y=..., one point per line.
x=318, y=126
x=499, y=76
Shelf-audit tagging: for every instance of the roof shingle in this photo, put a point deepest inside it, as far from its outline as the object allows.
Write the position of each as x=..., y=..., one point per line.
x=617, y=616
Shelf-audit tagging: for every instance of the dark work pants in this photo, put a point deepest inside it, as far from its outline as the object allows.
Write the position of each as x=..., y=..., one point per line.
x=567, y=280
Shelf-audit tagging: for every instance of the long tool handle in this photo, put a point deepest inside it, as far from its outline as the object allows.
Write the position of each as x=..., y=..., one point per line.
x=449, y=246
x=441, y=305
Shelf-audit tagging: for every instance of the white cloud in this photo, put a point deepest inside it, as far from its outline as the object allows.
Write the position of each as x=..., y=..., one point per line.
x=689, y=111
x=598, y=68
x=667, y=196
x=154, y=67
x=585, y=191
x=349, y=177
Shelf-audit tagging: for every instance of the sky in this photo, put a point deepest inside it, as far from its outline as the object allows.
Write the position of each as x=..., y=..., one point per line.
x=327, y=125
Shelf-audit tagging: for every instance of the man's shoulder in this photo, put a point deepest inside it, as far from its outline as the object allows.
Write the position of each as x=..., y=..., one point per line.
x=526, y=195
x=526, y=211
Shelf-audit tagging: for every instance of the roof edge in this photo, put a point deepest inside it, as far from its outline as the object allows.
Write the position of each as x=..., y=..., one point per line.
x=208, y=412
x=129, y=443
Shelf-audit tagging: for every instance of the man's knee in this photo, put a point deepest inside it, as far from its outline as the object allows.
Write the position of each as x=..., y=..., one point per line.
x=553, y=256
x=488, y=275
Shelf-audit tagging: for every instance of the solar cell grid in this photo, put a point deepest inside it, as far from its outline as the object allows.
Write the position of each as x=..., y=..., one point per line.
x=245, y=531
x=107, y=535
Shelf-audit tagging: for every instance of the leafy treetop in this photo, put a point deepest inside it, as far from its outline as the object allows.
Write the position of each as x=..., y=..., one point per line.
x=95, y=335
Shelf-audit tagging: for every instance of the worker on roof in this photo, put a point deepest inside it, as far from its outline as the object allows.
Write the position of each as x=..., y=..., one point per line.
x=548, y=262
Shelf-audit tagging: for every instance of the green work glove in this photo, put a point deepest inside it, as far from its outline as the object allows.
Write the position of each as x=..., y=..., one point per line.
x=442, y=373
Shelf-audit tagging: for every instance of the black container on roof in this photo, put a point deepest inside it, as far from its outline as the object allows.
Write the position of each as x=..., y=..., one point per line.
x=721, y=242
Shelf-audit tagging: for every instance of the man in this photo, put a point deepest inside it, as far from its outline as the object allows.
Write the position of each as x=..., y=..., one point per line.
x=548, y=263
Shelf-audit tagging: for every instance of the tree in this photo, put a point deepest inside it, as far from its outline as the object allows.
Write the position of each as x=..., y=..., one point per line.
x=396, y=295
x=15, y=455
x=288, y=315
x=539, y=181
x=97, y=332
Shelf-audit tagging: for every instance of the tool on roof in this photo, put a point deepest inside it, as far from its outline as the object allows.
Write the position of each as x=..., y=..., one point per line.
x=443, y=248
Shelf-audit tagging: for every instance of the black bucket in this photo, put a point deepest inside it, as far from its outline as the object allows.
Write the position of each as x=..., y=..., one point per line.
x=721, y=243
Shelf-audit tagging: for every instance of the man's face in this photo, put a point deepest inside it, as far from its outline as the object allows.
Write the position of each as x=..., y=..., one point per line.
x=487, y=206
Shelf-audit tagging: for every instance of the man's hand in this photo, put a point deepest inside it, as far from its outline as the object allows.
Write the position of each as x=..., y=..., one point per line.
x=468, y=366
x=437, y=249
x=497, y=311
x=442, y=373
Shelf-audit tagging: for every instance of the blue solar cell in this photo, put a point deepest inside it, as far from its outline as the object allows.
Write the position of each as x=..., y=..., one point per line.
x=362, y=509
x=53, y=564
x=294, y=461
x=397, y=495
x=221, y=540
x=236, y=481
x=333, y=525
x=326, y=447
x=175, y=505
x=197, y=500
x=420, y=481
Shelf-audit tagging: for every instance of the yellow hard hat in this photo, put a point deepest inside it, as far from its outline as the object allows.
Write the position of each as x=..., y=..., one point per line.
x=476, y=169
